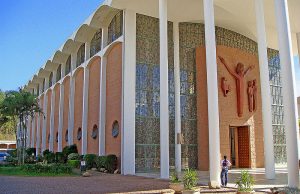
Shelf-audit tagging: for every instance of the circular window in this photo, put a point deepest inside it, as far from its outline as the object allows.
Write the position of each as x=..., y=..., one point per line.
x=79, y=133
x=95, y=132
x=56, y=138
x=66, y=135
x=115, y=129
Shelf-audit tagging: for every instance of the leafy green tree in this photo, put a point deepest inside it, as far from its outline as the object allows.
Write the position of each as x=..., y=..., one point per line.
x=18, y=106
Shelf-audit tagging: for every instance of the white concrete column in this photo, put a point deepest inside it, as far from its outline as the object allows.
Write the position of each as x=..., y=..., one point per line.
x=44, y=135
x=177, y=96
x=102, y=108
x=212, y=92
x=32, y=132
x=102, y=100
x=264, y=84
x=164, y=90
x=61, y=110
x=51, y=142
x=85, y=109
x=104, y=37
x=60, y=116
x=71, y=100
x=128, y=94
x=38, y=132
x=29, y=128
x=87, y=50
x=298, y=43
x=288, y=90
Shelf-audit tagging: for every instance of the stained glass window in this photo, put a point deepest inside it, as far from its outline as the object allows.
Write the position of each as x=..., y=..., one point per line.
x=277, y=107
x=68, y=66
x=115, y=28
x=147, y=95
x=80, y=55
x=96, y=43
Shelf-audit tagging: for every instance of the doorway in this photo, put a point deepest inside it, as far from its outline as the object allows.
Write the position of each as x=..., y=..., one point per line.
x=240, y=146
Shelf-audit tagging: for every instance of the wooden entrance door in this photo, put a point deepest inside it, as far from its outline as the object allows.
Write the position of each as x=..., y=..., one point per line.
x=244, y=147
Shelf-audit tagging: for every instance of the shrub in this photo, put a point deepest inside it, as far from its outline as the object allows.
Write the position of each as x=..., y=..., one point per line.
x=68, y=150
x=12, y=153
x=108, y=162
x=12, y=160
x=47, y=168
x=29, y=159
x=74, y=163
x=40, y=158
x=45, y=152
x=90, y=160
x=73, y=156
x=100, y=162
x=190, y=179
x=49, y=157
x=30, y=151
x=111, y=163
x=59, y=157
x=245, y=182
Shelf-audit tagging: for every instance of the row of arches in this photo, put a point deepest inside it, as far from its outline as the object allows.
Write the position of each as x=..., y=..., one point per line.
x=113, y=105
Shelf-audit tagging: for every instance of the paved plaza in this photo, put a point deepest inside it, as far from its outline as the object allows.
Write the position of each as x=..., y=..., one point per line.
x=109, y=183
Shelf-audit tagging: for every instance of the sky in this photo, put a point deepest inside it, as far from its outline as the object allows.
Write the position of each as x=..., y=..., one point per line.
x=32, y=30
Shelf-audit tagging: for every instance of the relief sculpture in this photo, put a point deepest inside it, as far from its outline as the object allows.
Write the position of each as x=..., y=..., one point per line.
x=239, y=74
x=225, y=86
x=252, y=95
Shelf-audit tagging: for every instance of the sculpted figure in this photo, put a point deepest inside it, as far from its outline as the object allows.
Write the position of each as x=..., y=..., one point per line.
x=225, y=87
x=254, y=95
x=239, y=75
x=250, y=96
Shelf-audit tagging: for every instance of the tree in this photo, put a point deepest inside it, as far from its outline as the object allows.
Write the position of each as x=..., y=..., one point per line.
x=18, y=106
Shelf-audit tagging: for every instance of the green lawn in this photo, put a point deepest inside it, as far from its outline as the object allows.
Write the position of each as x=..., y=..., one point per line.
x=16, y=171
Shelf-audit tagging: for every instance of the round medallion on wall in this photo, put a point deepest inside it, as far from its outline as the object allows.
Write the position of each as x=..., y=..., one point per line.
x=115, y=129
x=79, y=133
x=56, y=138
x=66, y=135
x=95, y=132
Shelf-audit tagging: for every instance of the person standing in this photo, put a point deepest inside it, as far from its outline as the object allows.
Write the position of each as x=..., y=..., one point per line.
x=225, y=164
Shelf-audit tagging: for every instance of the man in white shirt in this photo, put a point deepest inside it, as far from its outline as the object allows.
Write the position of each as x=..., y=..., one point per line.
x=225, y=164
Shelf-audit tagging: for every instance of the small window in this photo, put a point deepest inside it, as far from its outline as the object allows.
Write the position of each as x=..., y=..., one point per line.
x=96, y=43
x=95, y=132
x=68, y=66
x=66, y=135
x=115, y=129
x=56, y=138
x=80, y=55
x=58, y=73
x=43, y=86
x=79, y=134
x=115, y=28
x=50, y=79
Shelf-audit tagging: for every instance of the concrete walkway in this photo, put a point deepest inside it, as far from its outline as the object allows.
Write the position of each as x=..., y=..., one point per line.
x=261, y=183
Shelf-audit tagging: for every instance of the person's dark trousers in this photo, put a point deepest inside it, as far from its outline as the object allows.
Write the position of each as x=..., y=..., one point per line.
x=224, y=174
